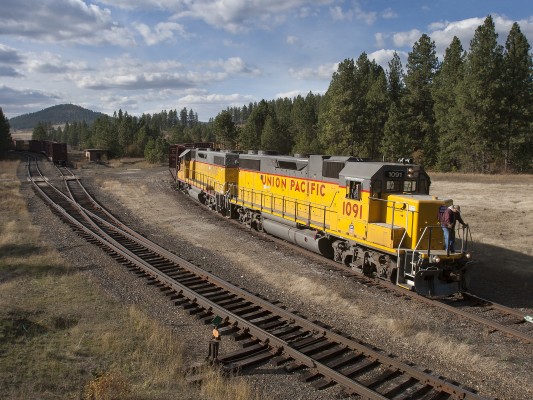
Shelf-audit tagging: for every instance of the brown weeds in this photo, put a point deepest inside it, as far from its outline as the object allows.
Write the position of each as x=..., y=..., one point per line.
x=62, y=337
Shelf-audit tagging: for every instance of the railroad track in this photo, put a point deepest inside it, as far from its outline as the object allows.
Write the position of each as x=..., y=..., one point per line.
x=495, y=317
x=265, y=329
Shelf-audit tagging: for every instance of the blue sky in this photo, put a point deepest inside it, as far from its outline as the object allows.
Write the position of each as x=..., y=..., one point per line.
x=145, y=56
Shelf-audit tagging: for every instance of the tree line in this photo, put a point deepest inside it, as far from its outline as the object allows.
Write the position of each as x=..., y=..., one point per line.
x=124, y=135
x=470, y=112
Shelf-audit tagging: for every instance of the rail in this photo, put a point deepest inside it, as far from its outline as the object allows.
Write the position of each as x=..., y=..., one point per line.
x=201, y=288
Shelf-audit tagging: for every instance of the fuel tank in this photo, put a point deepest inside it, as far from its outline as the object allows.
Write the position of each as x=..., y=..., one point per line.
x=305, y=238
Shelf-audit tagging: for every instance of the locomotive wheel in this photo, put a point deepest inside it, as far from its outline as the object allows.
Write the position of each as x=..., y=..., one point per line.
x=348, y=261
x=393, y=275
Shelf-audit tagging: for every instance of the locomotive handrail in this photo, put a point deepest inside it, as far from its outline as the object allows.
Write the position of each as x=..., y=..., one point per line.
x=464, y=242
x=285, y=202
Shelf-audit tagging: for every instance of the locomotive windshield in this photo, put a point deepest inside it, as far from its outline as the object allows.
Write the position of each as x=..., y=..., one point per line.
x=409, y=186
x=399, y=186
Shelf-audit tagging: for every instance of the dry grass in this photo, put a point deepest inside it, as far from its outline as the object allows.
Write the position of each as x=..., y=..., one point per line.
x=215, y=386
x=62, y=337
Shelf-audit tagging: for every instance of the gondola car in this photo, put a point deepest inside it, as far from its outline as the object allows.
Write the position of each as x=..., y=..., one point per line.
x=377, y=218
x=54, y=151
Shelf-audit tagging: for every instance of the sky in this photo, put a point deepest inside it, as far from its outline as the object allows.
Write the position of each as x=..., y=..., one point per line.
x=146, y=56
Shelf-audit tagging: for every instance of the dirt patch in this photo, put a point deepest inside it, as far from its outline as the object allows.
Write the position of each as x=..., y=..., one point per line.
x=499, y=210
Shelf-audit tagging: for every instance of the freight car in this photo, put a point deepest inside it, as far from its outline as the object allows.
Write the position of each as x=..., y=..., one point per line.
x=377, y=218
x=54, y=151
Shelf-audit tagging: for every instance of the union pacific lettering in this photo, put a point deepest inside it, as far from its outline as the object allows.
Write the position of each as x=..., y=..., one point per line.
x=295, y=185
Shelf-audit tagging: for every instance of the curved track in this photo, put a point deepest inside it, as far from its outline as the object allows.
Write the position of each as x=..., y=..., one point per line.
x=266, y=330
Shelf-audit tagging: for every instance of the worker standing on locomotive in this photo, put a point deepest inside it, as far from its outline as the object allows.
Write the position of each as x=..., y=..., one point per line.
x=449, y=218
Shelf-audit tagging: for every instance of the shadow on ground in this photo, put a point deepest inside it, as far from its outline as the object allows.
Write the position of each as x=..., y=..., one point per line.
x=10, y=269
x=503, y=276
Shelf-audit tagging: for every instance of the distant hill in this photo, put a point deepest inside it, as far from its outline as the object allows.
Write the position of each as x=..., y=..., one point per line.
x=56, y=115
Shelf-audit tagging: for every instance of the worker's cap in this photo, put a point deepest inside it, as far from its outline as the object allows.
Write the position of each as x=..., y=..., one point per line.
x=456, y=208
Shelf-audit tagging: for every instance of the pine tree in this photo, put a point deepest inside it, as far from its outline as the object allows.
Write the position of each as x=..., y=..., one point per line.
x=250, y=136
x=272, y=137
x=40, y=132
x=481, y=98
x=337, y=116
x=421, y=67
x=395, y=84
x=364, y=74
x=517, y=101
x=448, y=127
x=396, y=143
x=5, y=134
x=184, y=116
x=225, y=131
x=377, y=106
x=304, y=117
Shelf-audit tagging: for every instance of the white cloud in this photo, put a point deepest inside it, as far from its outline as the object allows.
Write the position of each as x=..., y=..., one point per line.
x=368, y=17
x=162, y=32
x=389, y=13
x=24, y=100
x=442, y=32
x=50, y=63
x=403, y=39
x=9, y=59
x=337, y=13
x=292, y=40
x=380, y=39
x=233, y=99
x=238, y=16
x=8, y=71
x=128, y=73
x=295, y=93
x=231, y=43
x=323, y=72
x=234, y=66
x=384, y=56
x=9, y=55
x=62, y=21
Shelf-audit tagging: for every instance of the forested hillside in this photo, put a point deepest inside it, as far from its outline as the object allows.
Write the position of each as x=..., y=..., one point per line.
x=470, y=112
x=55, y=115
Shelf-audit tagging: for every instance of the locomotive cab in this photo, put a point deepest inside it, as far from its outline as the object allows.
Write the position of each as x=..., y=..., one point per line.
x=388, y=208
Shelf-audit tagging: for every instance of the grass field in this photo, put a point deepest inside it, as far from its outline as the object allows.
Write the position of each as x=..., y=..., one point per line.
x=62, y=337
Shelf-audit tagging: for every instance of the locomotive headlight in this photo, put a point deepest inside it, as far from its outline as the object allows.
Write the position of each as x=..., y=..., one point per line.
x=410, y=172
x=468, y=256
x=436, y=259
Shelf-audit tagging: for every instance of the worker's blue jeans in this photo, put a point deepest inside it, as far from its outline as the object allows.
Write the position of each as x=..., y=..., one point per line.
x=449, y=239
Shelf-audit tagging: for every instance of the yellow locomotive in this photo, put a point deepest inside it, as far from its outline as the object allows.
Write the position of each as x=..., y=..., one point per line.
x=375, y=217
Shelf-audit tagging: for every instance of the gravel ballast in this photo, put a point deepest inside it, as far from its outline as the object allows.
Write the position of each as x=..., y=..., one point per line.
x=460, y=350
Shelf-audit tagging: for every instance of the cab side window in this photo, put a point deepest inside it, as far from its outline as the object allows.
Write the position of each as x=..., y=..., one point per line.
x=353, y=190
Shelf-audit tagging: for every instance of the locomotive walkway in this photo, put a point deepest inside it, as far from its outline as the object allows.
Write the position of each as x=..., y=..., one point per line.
x=266, y=330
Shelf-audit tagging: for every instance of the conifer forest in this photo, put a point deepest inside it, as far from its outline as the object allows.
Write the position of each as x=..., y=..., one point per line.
x=472, y=111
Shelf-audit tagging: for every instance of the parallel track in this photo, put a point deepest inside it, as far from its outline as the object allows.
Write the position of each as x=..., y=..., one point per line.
x=266, y=330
